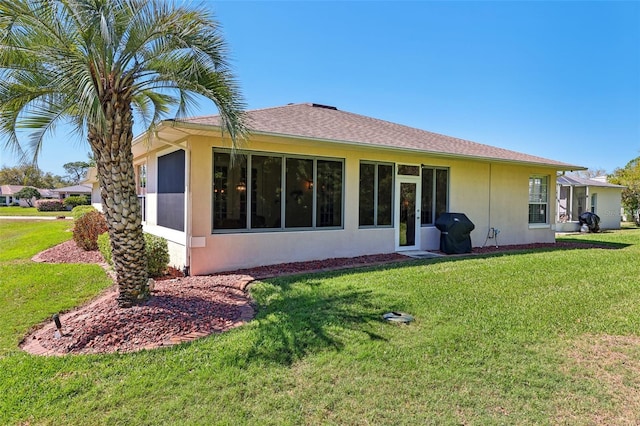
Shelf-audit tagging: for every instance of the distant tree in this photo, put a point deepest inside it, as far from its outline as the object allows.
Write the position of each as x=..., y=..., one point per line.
x=30, y=175
x=589, y=173
x=27, y=194
x=76, y=171
x=51, y=181
x=629, y=176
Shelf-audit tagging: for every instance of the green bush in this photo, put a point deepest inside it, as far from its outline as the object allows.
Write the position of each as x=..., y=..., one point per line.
x=76, y=200
x=104, y=245
x=156, y=248
x=79, y=211
x=49, y=206
x=87, y=228
x=157, y=254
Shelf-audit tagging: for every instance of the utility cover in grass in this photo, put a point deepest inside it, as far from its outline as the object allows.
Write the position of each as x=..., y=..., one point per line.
x=398, y=317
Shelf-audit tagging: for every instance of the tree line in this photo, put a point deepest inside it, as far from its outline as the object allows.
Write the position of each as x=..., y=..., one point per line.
x=31, y=175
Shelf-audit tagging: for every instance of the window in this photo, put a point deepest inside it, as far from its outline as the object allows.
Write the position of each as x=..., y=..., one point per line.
x=256, y=191
x=376, y=194
x=329, y=190
x=141, y=178
x=538, y=199
x=299, y=204
x=435, y=194
x=229, y=192
x=171, y=187
x=266, y=191
x=405, y=170
x=141, y=184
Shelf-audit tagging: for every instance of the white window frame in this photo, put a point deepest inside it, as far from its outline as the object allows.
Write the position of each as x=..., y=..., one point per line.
x=283, y=226
x=544, y=183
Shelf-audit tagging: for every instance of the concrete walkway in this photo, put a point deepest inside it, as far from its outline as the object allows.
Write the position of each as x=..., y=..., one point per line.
x=34, y=217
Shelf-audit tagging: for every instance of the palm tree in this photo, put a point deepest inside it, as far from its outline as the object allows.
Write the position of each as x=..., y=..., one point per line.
x=94, y=63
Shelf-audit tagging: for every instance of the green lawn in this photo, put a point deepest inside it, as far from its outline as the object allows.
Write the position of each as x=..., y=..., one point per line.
x=543, y=337
x=28, y=211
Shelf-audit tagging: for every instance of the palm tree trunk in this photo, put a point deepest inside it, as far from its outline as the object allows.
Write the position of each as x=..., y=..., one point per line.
x=114, y=160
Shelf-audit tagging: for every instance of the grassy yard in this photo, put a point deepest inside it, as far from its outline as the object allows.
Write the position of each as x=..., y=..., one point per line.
x=28, y=211
x=523, y=338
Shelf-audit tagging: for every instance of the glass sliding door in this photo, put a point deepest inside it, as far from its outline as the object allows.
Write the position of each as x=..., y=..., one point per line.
x=408, y=214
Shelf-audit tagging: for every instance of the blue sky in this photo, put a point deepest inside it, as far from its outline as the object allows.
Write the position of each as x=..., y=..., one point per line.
x=556, y=79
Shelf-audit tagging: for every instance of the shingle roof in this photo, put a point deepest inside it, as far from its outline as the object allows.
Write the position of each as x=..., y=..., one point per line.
x=578, y=181
x=13, y=189
x=319, y=122
x=74, y=188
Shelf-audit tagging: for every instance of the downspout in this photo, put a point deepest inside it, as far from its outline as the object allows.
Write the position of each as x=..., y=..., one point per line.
x=489, y=207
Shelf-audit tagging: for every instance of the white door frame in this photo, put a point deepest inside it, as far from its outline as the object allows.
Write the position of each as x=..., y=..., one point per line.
x=400, y=179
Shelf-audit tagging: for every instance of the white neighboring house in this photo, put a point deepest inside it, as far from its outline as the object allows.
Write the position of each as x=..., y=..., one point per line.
x=8, y=198
x=73, y=191
x=577, y=195
x=91, y=180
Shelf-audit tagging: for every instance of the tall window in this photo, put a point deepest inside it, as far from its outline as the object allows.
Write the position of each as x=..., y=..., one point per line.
x=171, y=187
x=229, y=192
x=141, y=179
x=267, y=191
x=376, y=194
x=538, y=199
x=329, y=193
x=435, y=194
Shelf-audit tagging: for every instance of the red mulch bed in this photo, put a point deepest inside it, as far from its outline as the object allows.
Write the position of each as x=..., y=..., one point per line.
x=183, y=308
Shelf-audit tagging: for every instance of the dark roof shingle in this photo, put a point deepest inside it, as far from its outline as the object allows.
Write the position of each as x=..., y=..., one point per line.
x=312, y=121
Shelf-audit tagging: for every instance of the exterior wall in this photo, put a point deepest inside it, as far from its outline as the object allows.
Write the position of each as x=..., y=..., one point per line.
x=607, y=206
x=491, y=195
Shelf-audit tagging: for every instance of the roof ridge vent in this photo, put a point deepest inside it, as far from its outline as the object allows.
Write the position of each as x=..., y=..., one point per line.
x=324, y=106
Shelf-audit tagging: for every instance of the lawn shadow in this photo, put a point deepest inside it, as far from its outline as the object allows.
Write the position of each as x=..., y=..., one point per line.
x=296, y=320
x=298, y=316
x=590, y=243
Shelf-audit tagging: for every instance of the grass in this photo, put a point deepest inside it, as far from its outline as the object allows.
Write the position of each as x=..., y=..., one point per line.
x=503, y=339
x=28, y=211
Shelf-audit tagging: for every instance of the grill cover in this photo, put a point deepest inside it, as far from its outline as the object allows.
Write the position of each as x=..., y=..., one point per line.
x=455, y=233
x=592, y=220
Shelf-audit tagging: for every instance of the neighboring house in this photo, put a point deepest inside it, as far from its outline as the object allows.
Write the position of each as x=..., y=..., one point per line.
x=577, y=195
x=8, y=198
x=91, y=180
x=313, y=182
x=73, y=191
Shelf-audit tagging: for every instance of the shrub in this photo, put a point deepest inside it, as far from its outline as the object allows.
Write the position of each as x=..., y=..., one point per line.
x=87, y=229
x=80, y=211
x=157, y=254
x=49, y=206
x=156, y=248
x=104, y=245
x=76, y=200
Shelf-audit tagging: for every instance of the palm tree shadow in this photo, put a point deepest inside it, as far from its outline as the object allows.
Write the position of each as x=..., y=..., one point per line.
x=297, y=316
x=295, y=321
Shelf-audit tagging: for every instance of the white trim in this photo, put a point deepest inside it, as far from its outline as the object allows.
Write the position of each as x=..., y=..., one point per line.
x=399, y=180
x=539, y=226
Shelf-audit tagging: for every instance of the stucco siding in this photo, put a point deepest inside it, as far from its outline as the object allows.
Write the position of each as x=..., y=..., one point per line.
x=607, y=206
x=492, y=195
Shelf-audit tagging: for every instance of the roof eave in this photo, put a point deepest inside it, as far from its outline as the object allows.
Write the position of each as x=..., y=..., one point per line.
x=211, y=127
